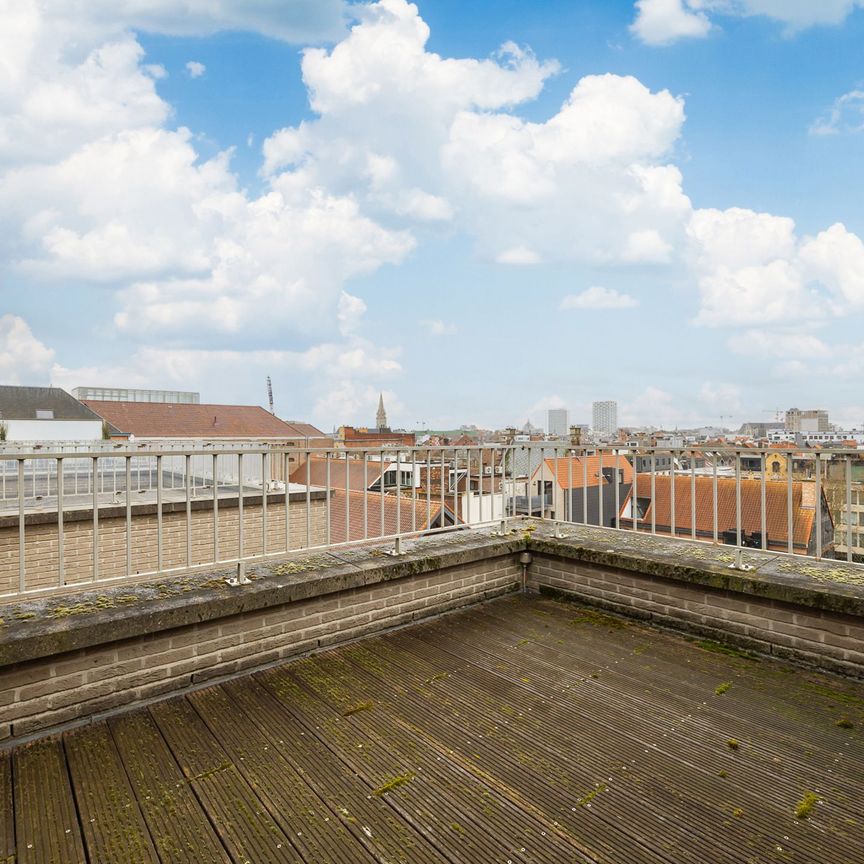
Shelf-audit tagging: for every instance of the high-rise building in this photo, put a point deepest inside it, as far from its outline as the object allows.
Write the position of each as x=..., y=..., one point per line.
x=605, y=419
x=815, y=420
x=558, y=422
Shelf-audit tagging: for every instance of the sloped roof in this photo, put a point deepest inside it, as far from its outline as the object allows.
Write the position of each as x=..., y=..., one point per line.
x=776, y=523
x=577, y=467
x=413, y=516
x=172, y=420
x=22, y=403
x=344, y=474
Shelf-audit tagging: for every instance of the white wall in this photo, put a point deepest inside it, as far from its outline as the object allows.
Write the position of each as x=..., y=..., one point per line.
x=53, y=430
x=489, y=509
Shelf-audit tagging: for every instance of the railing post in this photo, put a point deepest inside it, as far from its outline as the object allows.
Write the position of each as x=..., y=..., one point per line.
x=61, y=574
x=22, y=537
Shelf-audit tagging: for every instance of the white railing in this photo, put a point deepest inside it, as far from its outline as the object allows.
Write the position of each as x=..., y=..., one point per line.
x=74, y=518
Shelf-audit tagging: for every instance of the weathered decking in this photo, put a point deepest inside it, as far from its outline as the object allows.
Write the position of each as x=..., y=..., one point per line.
x=525, y=730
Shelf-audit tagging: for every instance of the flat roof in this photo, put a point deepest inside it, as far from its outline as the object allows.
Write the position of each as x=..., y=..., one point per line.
x=522, y=730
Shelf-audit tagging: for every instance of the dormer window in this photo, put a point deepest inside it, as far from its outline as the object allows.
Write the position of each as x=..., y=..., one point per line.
x=44, y=414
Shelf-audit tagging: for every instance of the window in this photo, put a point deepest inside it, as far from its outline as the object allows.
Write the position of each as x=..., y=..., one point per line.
x=44, y=414
x=775, y=466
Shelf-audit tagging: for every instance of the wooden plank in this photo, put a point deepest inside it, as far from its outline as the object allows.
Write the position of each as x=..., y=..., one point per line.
x=180, y=830
x=46, y=824
x=315, y=830
x=7, y=811
x=370, y=817
x=240, y=819
x=483, y=810
x=758, y=787
x=111, y=821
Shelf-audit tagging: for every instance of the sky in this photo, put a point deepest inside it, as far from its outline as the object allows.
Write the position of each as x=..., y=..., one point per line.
x=482, y=210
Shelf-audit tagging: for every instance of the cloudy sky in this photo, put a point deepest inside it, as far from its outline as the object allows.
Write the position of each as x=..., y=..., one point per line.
x=481, y=209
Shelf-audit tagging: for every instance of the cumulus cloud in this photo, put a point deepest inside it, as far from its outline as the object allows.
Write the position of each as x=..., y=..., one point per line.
x=660, y=22
x=23, y=358
x=195, y=69
x=591, y=181
x=754, y=266
x=598, y=297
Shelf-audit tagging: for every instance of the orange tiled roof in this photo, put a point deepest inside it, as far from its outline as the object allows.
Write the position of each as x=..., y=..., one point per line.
x=413, y=516
x=171, y=420
x=581, y=464
x=343, y=475
x=751, y=507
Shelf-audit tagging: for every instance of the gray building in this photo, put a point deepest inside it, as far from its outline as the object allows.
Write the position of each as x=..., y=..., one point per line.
x=558, y=422
x=604, y=422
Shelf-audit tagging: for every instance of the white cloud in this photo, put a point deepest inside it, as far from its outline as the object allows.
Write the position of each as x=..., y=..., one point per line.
x=195, y=69
x=779, y=344
x=518, y=255
x=754, y=267
x=845, y=115
x=437, y=327
x=835, y=259
x=591, y=181
x=598, y=297
x=23, y=358
x=659, y=22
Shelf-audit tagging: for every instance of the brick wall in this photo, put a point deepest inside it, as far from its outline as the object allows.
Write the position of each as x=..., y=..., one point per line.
x=41, y=547
x=47, y=693
x=825, y=639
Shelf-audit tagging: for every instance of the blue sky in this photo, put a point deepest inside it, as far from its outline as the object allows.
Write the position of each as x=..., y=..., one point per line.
x=656, y=202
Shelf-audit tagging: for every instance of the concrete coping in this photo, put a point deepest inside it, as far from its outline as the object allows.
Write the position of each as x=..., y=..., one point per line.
x=829, y=585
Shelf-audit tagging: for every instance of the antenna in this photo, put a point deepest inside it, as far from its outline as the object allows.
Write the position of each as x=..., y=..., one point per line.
x=270, y=393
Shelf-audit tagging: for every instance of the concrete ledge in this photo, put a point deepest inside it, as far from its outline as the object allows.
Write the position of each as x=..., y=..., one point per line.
x=41, y=628
x=825, y=585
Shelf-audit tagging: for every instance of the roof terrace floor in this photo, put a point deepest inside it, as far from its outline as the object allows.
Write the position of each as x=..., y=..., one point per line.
x=523, y=730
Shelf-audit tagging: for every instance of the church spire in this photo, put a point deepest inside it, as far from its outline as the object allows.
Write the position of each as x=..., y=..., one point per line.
x=381, y=416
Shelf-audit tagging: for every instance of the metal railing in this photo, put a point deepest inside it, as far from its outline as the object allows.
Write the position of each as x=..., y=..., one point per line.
x=76, y=518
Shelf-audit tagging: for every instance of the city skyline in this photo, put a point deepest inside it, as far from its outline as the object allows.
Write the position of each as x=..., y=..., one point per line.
x=197, y=200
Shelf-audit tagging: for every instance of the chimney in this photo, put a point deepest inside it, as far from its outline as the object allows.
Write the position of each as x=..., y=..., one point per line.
x=808, y=494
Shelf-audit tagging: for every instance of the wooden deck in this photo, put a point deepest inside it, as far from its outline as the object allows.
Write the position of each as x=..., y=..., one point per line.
x=525, y=730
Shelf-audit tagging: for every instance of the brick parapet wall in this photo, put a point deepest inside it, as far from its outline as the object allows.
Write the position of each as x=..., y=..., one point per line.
x=274, y=619
x=812, y=624
x=42, y=547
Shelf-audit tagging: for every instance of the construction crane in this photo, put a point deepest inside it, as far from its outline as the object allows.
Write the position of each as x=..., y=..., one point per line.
x=270, y=394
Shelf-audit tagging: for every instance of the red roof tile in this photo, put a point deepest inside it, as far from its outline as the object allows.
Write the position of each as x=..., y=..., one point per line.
x=776, y=524
x=413, y=516
x=577, y=466
x=170, y=420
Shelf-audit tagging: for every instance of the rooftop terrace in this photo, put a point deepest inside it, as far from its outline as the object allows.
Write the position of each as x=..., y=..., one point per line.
x=522, y=730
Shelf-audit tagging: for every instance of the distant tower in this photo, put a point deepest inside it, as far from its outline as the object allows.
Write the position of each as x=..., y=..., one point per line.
x=381, y=416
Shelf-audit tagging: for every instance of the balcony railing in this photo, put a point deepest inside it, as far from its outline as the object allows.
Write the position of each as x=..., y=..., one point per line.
x=74, y=518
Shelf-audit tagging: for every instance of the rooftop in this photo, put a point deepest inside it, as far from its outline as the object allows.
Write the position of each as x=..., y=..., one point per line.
x=173, y=420
x=29, y=403
x=521, y=730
